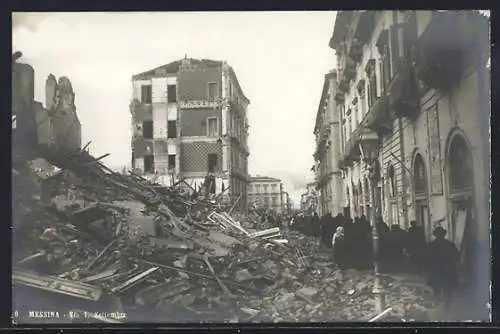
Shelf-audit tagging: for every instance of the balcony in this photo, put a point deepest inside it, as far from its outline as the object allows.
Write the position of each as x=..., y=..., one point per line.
x=349, y=72
x=343, y=85
x=378, y=117
x=351, y=149
x=452, y=41
x=403, y=90
x=339, y=98
x=141, y=111
x=356, y=51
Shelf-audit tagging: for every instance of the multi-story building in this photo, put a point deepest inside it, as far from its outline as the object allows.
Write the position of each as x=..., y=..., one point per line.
x=413, y=103
x=309, y=200
x=327, y=132
x=189, y=119
x=267, y=192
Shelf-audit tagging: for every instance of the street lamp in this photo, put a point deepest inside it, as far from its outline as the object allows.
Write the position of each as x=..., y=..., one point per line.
x=369, y=146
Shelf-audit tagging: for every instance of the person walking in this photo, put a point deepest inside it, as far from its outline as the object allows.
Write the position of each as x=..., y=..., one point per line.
x=442, y=260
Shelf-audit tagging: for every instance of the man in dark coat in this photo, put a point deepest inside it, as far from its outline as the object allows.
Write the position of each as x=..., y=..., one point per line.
x=442, y=261
x=416, y=245
x=396, y=243
x=315, y=225
x=324, y=227
x=366, y=242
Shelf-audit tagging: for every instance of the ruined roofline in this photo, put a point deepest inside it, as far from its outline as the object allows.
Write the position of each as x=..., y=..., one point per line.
x=173, y=67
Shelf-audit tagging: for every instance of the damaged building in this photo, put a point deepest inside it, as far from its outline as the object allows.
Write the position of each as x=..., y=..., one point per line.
x=189, y=120
x=413, y=103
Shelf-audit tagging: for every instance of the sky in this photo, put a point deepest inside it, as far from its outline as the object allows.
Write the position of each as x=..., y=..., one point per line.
x=280, y=59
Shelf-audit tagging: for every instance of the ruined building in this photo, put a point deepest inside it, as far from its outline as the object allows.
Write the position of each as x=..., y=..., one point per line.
x=48, y=132
x=189, y=120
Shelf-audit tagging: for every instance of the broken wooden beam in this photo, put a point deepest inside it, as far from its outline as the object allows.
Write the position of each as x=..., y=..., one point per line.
x=209, y=265
x=134, y=280
x=94, y=261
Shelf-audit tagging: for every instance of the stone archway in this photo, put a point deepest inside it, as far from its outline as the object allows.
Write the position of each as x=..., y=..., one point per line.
x=460, y=188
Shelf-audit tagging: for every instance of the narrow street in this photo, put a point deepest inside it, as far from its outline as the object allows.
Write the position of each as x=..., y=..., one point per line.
x=176, y=182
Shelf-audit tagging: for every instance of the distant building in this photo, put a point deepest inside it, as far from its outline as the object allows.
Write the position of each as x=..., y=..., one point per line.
x=189, y=119
x=267, y=192
x=309, y=199
x=327, y=131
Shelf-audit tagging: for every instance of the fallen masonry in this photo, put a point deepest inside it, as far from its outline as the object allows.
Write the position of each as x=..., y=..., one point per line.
x=123, y=244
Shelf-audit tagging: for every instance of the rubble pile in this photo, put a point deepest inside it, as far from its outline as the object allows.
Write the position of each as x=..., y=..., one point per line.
x=158, y=253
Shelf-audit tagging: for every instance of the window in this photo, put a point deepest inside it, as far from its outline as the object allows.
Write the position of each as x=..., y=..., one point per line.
x=257, y=188
x=459, y=166
x=172, y=93
x=372, y=88
x=420, y=182
x=266, y=201
x=212, y=128
x=410, y=33
x=171, y=161
x=274, y=188
x=212, y=162
x=397, y=47
x=213, y=92
x=146, y=93
x=172, y=129
x=385, y=69
x=275, y=200
x=266, y=188
x=147, y=129
x=149, y=164
x=392, y=181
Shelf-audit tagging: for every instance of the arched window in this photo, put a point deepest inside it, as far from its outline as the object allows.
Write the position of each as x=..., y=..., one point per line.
x=392, y=181
x=459, y=166
x=419, y=175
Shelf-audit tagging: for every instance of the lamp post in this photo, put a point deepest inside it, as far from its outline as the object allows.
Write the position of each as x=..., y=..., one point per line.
x=369, y=153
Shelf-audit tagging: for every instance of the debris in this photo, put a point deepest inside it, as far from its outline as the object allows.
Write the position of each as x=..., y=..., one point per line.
x=56, y=284
x=98, y=234
x=381, y=315
x=133, y=280
x=243, y=275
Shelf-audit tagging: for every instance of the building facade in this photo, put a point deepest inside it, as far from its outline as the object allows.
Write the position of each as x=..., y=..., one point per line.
x=309, y=201
x=267, y=192
x=189, y=120
x=326, y=156
x=413, y=101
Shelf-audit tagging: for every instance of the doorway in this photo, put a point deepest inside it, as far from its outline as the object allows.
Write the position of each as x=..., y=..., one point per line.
x=420, y=191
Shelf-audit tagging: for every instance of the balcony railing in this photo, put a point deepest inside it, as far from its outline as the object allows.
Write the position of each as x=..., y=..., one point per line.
x=356, y=51
x=403, y=97
x=451, y=41
x=378, y=117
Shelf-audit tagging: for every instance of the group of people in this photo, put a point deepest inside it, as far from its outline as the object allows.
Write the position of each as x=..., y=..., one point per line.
x=351, y=244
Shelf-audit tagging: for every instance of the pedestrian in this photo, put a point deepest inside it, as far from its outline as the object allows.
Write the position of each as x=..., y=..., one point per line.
x=396, y=242
x=442, y=261
x=339, y=248
x=315, y=224
x=416, y=246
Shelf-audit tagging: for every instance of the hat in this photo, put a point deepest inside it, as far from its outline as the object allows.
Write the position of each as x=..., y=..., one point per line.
x=439, y=232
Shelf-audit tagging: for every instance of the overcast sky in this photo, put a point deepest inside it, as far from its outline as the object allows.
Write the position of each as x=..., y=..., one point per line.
x=280, y=59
